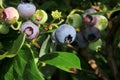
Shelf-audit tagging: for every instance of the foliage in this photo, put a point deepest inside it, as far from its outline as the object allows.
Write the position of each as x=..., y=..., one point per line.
x=42, y=59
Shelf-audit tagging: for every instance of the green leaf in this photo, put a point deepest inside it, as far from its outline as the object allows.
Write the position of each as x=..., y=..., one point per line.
x=48, y=71
x=31, y=71
x=20, y=62
x=25, y=67
x=44, y=46
x=62, y=60
x=9, y=75
x=18, y=43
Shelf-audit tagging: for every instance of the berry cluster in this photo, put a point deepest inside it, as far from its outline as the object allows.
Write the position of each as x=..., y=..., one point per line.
x=68, y=32
x=27, y=10
x=91, y=34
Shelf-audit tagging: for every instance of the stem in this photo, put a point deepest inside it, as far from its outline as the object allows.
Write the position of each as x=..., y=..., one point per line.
x=18, y=27
x=97, y=70
x=113, y=28
x=111, y=62
x=1, y=4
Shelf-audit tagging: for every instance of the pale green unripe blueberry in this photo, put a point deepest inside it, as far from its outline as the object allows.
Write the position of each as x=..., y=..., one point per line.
x=101, y=23
x=40, y=17
x=96, y=45
x=75, y=20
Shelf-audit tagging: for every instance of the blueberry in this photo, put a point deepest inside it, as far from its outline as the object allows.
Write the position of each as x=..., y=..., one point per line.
x=26, y=9
x=90, y=19
x=75, y=20
x=92, y=33
x=54, y=40
x=65, y=34
x=30, y=29
x=40, y=17
x=10, y=15
x=96, y=45
x=102, y=23
x=88, y=11
x=81, y=41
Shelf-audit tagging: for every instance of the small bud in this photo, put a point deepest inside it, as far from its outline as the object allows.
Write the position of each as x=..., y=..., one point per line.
x=56, y=14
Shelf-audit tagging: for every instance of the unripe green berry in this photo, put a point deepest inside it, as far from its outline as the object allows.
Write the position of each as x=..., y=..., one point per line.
x=101, y=23
x=96, y=45
x=40, y=17
x=75, y=20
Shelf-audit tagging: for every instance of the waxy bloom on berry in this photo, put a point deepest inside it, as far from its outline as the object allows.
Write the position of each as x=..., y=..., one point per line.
x=26, y=9
x=30, y=29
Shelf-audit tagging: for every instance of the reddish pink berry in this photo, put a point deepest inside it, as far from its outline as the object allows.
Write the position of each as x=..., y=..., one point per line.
x=10, y=15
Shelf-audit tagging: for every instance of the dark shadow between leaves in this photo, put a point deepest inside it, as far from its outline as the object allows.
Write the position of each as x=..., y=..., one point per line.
x=48, y=56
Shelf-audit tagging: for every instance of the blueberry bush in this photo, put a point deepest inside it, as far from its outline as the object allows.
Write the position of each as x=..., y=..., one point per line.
x=59, y=40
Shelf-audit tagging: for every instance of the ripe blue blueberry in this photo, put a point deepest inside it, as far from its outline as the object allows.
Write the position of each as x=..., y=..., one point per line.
x=81, y=41
x=30, y=29
x=26, y=9
x=92, y=34
x=65, y=34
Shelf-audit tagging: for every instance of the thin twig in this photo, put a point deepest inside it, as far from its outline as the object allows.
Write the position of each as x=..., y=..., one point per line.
x=91, y=62
x=97, y=70
x=113, y=27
